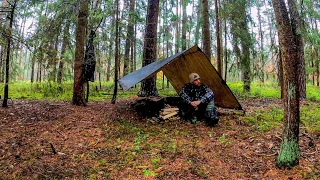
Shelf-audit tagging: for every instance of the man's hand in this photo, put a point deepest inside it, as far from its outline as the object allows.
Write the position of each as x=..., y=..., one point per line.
x=195, y=103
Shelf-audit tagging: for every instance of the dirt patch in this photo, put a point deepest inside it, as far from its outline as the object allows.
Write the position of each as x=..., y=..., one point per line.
x=42, y=139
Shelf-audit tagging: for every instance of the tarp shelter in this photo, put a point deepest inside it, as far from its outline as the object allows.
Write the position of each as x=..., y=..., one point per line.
x=177, y=69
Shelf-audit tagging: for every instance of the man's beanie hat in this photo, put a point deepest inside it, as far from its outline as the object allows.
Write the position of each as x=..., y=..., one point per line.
x=193, y=76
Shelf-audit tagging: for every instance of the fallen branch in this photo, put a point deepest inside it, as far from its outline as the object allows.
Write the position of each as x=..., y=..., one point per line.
x=268, y=155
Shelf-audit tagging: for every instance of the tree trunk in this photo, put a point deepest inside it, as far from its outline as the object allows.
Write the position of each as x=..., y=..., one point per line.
x=163, y=32
x=78, y=93
x=33, y=66
x=280, y=74
x=126, y=60
x=63, y=50
x=135, y=48
x=245, y=45
x=131, y=29
x=270, y=21
x=54, y=53
x=19, y=48
x=177, y=22
x=289, y=152
x=113, y=21
x=6, y=86
x=317, y=70
x=132, y=67
x=297, y=29
x=219, y=40
x=199, y=22
x=116, y=57
x=148, y=86
x=261, y=68
x=167, y=32
x=1, y=64
x=206, y=29
x=184, y=24
x=225, y=48
x=313, y=72
x=317, y=52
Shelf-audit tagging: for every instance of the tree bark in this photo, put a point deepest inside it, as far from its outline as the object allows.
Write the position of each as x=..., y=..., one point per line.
x=177, y=22
x=126, y=61
x=262, y=61
x=33, y=65
x=225, y=47
x=219, y=40
x=78, y=92
x=289, y=152
x=1, y=64
x=317, y=52
x=135, y=48
x=184, y=24
x=6, y=86
x=63, y=50
x=131, y=38
x=116, y=57
x=199, y=22
x=297, y=29
x=148, y=86
x=280, y=74
x=206, y=38
x=53, y=59
x=113, y=21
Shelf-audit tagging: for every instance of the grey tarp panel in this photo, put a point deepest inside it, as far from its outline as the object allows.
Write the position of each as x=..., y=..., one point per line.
x=135, y=77
x=177, y=69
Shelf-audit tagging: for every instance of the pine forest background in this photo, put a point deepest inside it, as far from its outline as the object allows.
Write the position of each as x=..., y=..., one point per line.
x=44, y=32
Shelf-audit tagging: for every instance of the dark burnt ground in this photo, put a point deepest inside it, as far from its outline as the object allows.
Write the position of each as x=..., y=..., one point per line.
x=42, y=139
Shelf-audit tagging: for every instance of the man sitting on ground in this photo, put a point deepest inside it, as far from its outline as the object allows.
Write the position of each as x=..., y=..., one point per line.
x=198, y=101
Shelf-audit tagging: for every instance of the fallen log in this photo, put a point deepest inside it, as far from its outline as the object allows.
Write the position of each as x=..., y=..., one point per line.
x=170, y=109
x=153, y=106
x=165, y=113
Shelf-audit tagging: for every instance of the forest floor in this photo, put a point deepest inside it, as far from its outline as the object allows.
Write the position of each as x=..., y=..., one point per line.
x=57, y=140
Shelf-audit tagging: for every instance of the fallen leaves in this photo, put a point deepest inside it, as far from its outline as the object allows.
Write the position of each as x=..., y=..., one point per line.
x=101, y=140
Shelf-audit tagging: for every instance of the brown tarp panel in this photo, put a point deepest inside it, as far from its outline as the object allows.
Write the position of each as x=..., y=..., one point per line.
x=177, y=69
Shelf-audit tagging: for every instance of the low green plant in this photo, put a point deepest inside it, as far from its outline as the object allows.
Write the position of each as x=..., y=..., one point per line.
x=173, y=145
x=224, y=141
x=147, y=173
x=103, y=162
x=136, y=148
x=155, y=163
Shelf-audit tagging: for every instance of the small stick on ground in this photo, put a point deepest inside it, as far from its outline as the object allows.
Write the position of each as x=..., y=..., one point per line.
x=53, y=149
